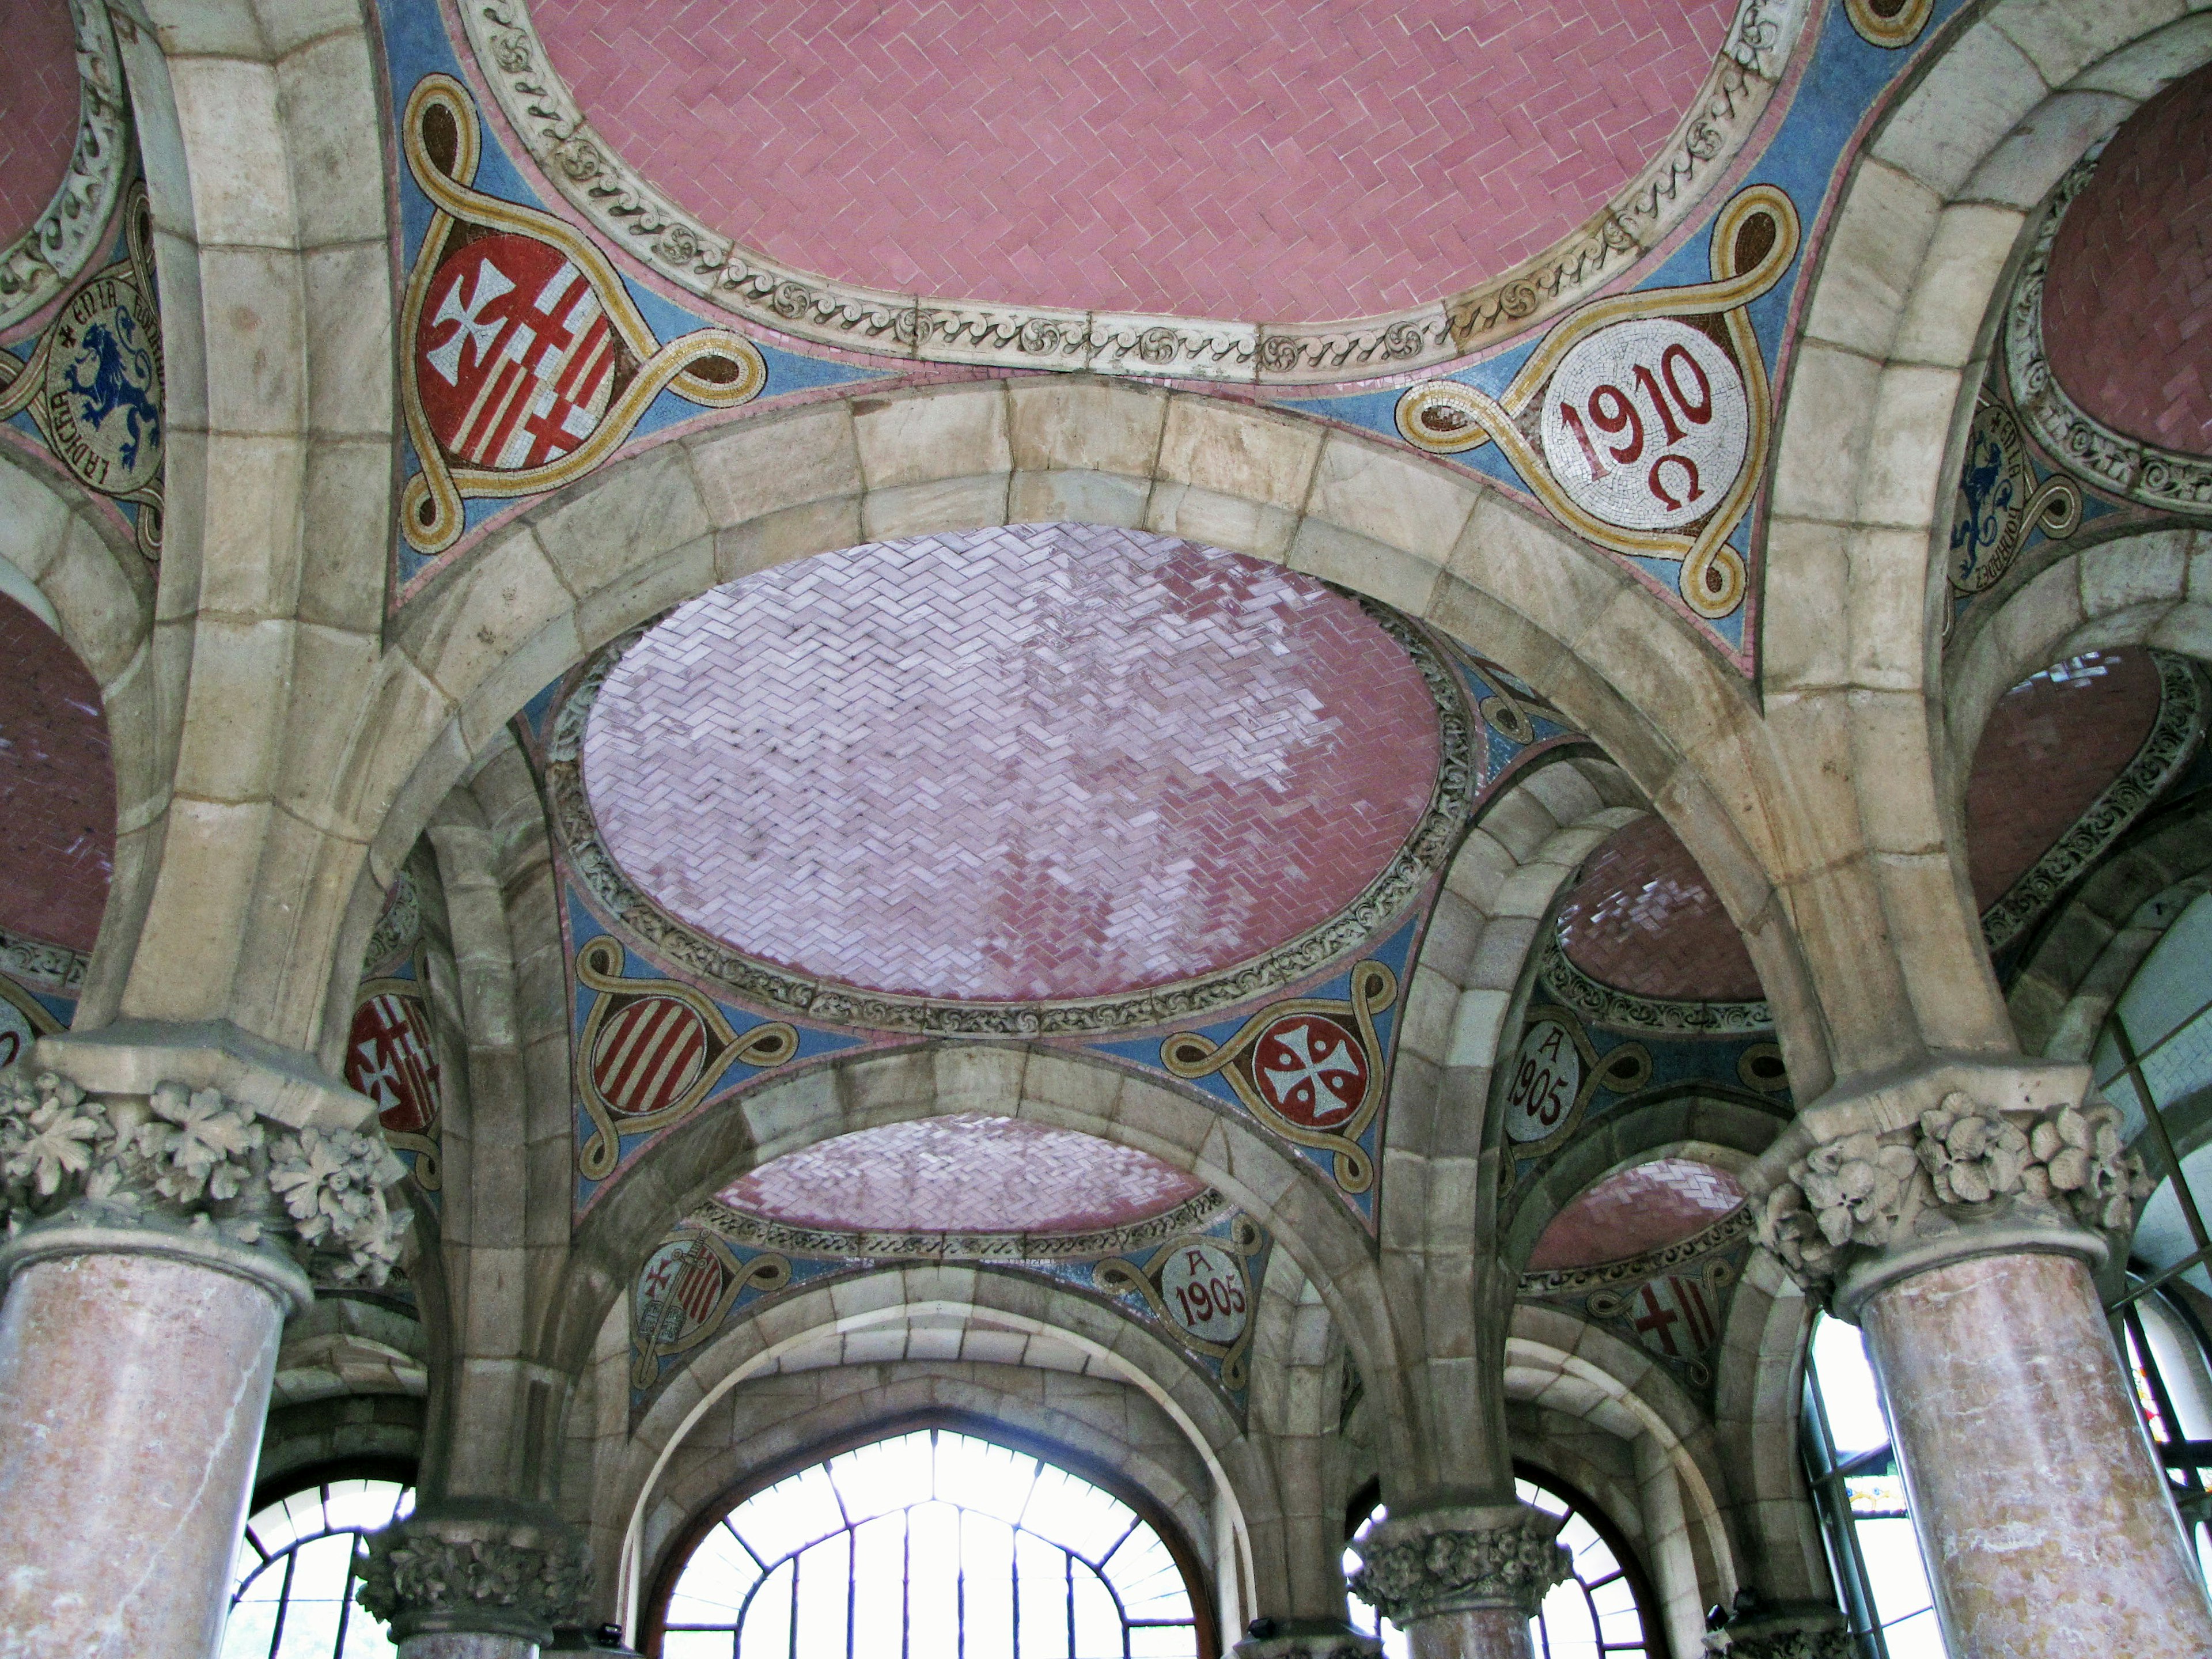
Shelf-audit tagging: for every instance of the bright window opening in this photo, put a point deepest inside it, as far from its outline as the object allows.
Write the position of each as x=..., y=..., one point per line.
x=292, y=1586
x=1596, y=1612
x=931, y=1546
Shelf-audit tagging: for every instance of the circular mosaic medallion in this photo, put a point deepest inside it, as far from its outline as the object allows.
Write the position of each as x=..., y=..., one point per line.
x=1203, y=1287
x=1646, y=424
x=1548, y=1081
x=102, y=403
x=1309, y=1068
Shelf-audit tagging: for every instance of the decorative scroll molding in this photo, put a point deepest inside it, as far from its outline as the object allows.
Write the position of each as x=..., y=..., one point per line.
x=469, y=1573
x=1634, y=1270
x=1604, y=1004
x=759, y=1233
x=1422, y=858
x=196, y=1159
x=642, y=222
x=49, y=966
x=1962, y=1164
x=2172, y=742
x=1451, y=1560
x=49, y=256
x=2077, y=440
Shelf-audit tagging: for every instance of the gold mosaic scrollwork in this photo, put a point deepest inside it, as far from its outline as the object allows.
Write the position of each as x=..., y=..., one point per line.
x=1118, y=1276
x=714, y=367
x=1754, y=239
x=1326, y=1120
x=1890, y=23
x=685, y=1291
x=650, y=1050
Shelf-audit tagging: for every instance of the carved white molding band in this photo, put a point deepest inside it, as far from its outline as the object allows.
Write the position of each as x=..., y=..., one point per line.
x=46, y=258
x=634, y=216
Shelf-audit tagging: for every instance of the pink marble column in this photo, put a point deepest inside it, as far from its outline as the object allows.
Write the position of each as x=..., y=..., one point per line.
x=134, y=1382
x=1473, y=1633
x=467, y=1644
x=2043, y=1516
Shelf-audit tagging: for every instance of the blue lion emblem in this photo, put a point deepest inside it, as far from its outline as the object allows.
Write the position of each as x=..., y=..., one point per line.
x=122, y=375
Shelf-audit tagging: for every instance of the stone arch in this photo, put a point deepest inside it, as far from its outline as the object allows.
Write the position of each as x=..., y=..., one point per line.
x=630, y=1462
x=1874, y=408
x=562, y=578
x=1561, y=1363
x=257, y=127
x=89, y=576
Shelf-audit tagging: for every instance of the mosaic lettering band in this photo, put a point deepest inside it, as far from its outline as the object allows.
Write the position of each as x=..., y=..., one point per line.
x=1197, y=1284
x=645, y=222
x=527, y=363
x=1415, y=864
x=1573, y=421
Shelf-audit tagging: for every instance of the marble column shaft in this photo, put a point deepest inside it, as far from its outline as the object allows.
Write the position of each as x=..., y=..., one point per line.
x=1471, y=1633
x=134, y=1389
x=2043, y=1517
x=467, y=1644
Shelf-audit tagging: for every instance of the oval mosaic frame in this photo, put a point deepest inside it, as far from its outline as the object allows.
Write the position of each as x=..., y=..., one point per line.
x=634, y=215
x=1421, y=859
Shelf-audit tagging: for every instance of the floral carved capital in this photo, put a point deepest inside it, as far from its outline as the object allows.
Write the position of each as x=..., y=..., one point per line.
x=196, y=1159
x=1422, y=1565
x=426, y=1573
x=1960, y=1164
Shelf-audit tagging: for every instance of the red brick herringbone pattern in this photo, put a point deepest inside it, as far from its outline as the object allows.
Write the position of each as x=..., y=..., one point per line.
x=1282, y=159
x=1042, y=762
x=57, y=788
x=38, y=110
x=1644, y=918
x=2127, y=309
x=962, y=1174
x=1645, y=1208
x=2051, y=744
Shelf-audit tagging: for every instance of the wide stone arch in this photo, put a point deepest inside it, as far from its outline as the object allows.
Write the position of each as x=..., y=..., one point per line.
x=1895, y=336
x=97, y=592
x=627, y=1474
x=1053, y=1086
x=546, y=588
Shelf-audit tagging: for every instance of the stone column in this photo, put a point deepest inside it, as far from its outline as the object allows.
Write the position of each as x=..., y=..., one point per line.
x=1958, y=1214
x=1304, y=1639
x=477, y=1578
x=1756, y=1629
x=1463, y=1583
x=160, y=1239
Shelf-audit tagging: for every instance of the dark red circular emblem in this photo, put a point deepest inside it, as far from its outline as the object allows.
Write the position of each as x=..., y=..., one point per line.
x=1310, y=1068
x=514, y=356
x=648, y=1053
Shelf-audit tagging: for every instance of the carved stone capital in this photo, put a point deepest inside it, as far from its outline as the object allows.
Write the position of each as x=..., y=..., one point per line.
x=479, y=1566
x=1964, y=1159
x=180, y=1162
x=1305, y=1638
x=1787, y=1630
x=1418, y=1566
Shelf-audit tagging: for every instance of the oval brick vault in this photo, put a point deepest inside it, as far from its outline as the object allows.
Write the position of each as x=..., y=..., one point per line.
x=1109, y=155
x=964, y=1173
x=1030, y=764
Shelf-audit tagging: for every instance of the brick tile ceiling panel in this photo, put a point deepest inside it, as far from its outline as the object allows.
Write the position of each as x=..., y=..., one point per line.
x=1283, y=160
x=1642, y=918
x=39, y=97
x=2052, y=743
x=967, y=1172
x=57, y=788
x=1646, y=1208
x=1025, y=765
x=2127, y=307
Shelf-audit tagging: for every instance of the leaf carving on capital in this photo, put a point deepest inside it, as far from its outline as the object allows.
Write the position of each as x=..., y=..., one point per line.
x=194, y=1156
x=417, y=1579
x=1958, y=1161
x=1410, y=1575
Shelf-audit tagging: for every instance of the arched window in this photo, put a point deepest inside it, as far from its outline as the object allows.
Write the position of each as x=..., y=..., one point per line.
x=931, y=1545
x=292, y=1585
x=1861, y=1497
x=2173, y=1388
x=1599, y=1611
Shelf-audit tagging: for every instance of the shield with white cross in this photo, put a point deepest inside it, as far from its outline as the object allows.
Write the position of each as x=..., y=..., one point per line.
x=1310, y=1067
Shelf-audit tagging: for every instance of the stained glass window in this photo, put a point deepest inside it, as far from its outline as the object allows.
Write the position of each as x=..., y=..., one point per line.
x=292, y=1584
x=2173, y=1388
x=1861, y=1497
x=1596, y=1612
x=931, y=1546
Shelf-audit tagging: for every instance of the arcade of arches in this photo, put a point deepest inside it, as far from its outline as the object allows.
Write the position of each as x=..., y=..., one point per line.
x=1100, y=829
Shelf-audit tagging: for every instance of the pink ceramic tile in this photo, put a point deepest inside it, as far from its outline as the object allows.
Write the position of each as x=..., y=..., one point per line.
x=57, y=787
x=1642, y=918
x=1645, y=1208
x=1098, y=154
x=966, y=1172
x=38, y=110
x=1037, y=763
